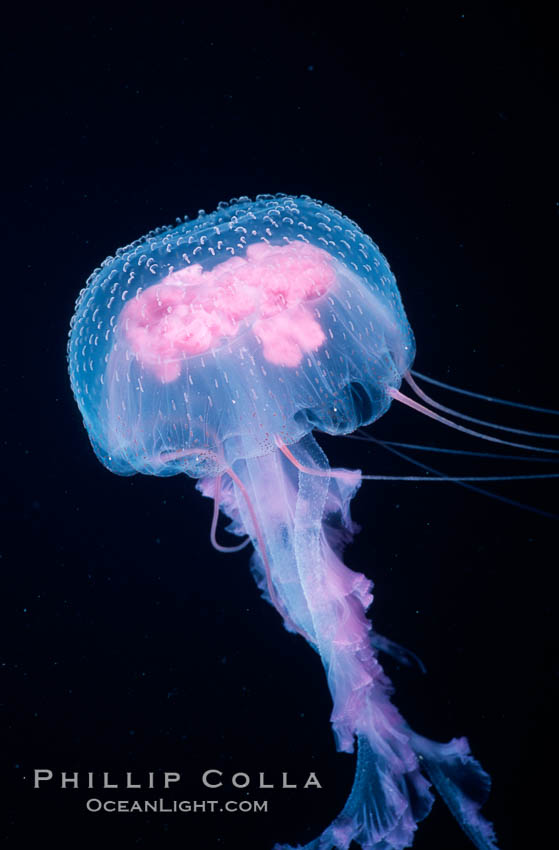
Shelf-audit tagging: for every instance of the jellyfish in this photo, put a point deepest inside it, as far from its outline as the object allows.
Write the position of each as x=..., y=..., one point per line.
x=219, y=348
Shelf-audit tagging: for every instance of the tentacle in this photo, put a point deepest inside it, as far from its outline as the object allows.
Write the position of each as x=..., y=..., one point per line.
x=215, y=516
x=464, y=483
x=400, y=653
x=481, y=396
x=464, y=480
x=362, y=436
x=341, y=473
x=428, y=400
x=420, y=408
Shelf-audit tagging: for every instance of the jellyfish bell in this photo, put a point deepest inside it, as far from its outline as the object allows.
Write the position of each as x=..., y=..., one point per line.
x=216, y=348
x=272, y=317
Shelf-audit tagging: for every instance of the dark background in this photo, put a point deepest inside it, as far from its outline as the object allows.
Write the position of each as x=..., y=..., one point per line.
x=129, y=643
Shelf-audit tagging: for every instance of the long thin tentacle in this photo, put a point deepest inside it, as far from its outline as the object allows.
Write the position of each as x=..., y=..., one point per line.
x=428, y=400
x=420, y=408
x=490, y=398
x=461, y=452
x=473, y=487
x=340, y=473
x=215, y=517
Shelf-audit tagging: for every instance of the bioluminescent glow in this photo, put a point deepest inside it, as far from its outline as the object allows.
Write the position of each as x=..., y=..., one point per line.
x=216, y=348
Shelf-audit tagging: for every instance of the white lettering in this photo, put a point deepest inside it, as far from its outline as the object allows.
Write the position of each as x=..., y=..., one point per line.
x=69, y=779
x=129, y=783
x=241, y=780
x=285, y=782
x=312, y=781
x=207, y=783
x=41, y=776
x=106, y=783
x=263, y=784
x=171, y=777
